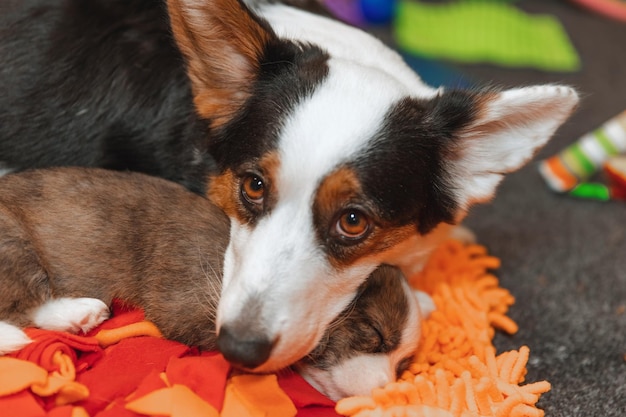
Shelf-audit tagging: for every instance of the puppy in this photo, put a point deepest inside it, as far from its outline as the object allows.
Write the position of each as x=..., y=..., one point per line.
x=329, y=155
x=372, y=342
x=72, y=239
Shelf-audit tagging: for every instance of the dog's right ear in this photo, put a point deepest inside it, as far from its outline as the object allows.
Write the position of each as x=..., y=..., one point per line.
x=222, y=42
x=498, y=132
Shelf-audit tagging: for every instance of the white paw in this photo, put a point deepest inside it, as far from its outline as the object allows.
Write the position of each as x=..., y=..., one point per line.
x=71, y=314
x=12, y=338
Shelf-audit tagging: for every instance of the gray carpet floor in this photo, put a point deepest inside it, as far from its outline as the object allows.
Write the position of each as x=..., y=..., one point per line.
x=564, y=259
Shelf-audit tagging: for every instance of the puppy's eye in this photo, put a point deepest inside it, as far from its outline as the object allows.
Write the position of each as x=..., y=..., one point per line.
x=352, y=225
x=380, y=348
x=253, y=190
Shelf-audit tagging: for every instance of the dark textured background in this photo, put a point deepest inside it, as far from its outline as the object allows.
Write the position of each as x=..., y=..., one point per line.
x=564, y=259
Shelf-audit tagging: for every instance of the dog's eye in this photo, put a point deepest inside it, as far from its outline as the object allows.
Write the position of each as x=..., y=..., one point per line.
x=253, y=190
x=381, y=345
x=353, y=225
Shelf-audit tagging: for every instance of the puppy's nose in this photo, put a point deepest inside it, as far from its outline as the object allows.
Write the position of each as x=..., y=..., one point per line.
x=243, y=350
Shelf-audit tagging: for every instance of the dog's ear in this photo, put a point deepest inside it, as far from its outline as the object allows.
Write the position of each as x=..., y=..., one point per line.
x=501, y=134
x=222, y=42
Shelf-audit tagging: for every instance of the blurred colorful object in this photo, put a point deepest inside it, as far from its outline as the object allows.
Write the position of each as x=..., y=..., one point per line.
x=615, y=9
x=568, y=171
x=437, y=73
x=615, y=171
x=365, y=13
x=583, y=158
x=484, y=31
x=347, y=10
x=362, y=12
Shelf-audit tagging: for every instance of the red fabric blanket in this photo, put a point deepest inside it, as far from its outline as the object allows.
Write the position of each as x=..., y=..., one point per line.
x=124, y=369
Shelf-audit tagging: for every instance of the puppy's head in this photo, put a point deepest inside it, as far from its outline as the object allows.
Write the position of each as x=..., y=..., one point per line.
x=371, y=342
x=332, y=162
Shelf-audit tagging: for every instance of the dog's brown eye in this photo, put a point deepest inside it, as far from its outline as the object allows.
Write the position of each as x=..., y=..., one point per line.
x=253, y=189
x=353, y=224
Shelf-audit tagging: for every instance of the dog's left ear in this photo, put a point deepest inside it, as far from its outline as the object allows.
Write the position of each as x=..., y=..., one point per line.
x=223, y=43
x=503, y=133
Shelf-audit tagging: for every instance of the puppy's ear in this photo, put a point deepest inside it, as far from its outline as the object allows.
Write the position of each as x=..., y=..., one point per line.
x=222, y=43
x=503, y=133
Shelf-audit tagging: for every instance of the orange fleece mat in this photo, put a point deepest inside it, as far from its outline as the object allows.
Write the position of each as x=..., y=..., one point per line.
x=456, y=372
x=125, y=369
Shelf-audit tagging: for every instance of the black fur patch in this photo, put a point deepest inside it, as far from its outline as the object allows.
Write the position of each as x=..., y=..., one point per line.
x=97, y=83
x=403, y=170
x=289, y=73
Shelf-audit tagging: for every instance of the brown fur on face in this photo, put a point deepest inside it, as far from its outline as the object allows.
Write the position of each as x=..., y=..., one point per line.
x=225, y=189
x=342, y=190
x=105, y=235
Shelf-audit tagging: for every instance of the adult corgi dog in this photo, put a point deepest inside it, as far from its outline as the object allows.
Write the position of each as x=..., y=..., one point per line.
x=327, y=152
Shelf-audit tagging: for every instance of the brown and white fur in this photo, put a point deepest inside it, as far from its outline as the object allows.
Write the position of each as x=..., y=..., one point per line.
x=331, y=155
x=72, y=240
x=333, y=158
x=372, y=342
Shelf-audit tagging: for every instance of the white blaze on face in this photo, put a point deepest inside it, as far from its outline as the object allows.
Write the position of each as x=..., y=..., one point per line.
x=278, y=278
x=279, y=261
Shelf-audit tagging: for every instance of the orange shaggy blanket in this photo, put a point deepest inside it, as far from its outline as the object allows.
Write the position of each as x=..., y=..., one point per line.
x=124, y=369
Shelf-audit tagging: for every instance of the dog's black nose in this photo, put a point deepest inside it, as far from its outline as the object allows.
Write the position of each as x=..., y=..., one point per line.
x=243, y=350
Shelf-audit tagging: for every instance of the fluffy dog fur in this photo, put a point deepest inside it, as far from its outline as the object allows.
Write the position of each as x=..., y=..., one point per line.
x=73, y=239
x=330, y=155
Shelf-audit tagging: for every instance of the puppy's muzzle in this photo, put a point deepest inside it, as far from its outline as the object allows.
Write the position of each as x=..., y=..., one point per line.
x=244, y=349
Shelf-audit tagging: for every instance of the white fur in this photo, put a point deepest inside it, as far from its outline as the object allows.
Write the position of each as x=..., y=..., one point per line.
x=357, y=375
x=71, y=314
x=513, y=126
x=12, y=338
x=278, y=260
x=267, y=259
x=292, y=278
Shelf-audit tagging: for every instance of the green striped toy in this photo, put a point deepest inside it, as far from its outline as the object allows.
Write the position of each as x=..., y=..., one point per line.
x=564, y=171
